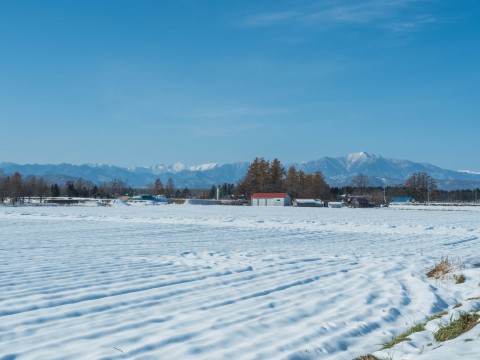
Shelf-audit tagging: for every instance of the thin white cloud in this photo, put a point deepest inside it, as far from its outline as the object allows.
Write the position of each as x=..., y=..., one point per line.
x=222, y=121
x=269, y=19
x=397, y=15
x=229, y=113
x=412, y=25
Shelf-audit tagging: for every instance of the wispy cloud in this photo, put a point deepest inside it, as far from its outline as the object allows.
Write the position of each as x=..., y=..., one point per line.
x=239, y=112
x=273, y=18
x=221, y=121
x=229, y=113
x=213, y=130
x=396, y=15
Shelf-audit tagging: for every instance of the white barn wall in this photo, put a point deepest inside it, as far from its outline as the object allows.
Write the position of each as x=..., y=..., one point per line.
x=271, y=201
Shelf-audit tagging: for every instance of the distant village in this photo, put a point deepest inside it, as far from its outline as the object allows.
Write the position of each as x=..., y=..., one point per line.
x=266, y=183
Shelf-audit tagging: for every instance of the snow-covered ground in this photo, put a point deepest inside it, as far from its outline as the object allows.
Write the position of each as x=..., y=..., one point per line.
x=224, y=282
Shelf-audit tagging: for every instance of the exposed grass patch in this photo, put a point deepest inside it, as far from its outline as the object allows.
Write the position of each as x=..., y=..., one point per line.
x=443, y=268
x=403, y=336
x=366, y=357
x=437, y=316
x=474, y=298
x=465, y=322
x=459, y=279
x=457, y=305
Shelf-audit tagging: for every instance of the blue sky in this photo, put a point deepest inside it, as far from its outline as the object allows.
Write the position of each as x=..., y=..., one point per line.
x=144, y=82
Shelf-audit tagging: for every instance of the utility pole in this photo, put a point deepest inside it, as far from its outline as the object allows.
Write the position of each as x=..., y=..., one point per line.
x=428, y=192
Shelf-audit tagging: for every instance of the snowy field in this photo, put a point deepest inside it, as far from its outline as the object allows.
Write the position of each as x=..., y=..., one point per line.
x=224, y=282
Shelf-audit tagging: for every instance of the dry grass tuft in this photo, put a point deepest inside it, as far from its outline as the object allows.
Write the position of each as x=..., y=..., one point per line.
x=459, y=279
x=443, y=268
x=474, y=298
x=366, y=357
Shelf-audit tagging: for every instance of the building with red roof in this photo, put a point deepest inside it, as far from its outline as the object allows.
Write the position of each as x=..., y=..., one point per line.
x=271, y=199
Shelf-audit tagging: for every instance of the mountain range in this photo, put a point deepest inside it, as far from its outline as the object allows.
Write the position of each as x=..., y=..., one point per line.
x=338, y=171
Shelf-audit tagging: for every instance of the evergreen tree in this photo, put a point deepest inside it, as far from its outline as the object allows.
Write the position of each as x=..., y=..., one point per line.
x=276, y=173
x=320, y=187
x=55, y=190
x=30, y=187
x=257, y=178
x=186, y=193
x=16, y=187
x=70, y=189
x=213, y=192
x=5, y=188
x=170, y=188
x=291, y=182
x=301, y=184
x=158, y=187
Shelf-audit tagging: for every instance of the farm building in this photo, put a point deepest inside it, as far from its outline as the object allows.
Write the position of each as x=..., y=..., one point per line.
x=335, y=204
x=403, y=199
x=308, y=203
x=271, y=199
x=359, y=202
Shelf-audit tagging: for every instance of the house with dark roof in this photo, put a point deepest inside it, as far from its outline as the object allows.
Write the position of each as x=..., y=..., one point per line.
x=359, y=202
x=271, y=199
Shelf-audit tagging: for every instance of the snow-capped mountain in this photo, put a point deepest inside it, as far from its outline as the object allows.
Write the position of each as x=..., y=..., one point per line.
x=337, y=171
x=384, y=171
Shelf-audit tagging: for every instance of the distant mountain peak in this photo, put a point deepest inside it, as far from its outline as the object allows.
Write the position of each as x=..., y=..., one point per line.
x=203, y=167
x=361, y=157
x=97, y=165
x=178, y=167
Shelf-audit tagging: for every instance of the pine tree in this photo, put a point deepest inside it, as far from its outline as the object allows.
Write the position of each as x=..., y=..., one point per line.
x=158, y=187
x=185, y=193
x=291, y=182
x=55, y=190
x=276, y=173
x=213, y=192
x=70, y=189
x=170, y=188
x=321, y=189
x=16, y=187
x=5, y=188
x=256, y=179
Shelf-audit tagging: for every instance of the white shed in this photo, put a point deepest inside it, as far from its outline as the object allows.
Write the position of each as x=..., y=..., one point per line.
x=333, y=204
x=271, y=199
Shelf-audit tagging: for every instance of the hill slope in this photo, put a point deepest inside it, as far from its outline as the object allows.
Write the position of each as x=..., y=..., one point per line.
x=337, y=171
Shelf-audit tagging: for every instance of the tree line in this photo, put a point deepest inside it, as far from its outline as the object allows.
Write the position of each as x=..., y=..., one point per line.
x=262, y=176
x=270, y=177
x=17, y=187
x=168, y=190
x=265, y=176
